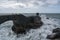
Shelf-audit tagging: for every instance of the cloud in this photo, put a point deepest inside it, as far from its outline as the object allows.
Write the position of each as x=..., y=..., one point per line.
x=26, y=3
x=52, y=2
x=11, y=4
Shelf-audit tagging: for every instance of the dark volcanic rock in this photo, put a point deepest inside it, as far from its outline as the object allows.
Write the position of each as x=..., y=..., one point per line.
x=21, y=23
x=56, y=30
x=55, y=34
x=47, y=18
x=35, y=21
x=18, y=30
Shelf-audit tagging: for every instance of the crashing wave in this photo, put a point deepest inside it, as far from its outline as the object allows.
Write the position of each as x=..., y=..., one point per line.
x=34, y=34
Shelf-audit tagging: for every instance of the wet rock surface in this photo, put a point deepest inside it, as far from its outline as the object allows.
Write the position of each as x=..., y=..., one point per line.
x=23, y=23
x=55, y=34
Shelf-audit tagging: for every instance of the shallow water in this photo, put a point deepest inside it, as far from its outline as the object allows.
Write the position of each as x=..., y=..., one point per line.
x=34, y=34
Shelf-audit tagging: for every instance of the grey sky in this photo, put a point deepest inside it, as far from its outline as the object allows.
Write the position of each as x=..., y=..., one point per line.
x=29, y=6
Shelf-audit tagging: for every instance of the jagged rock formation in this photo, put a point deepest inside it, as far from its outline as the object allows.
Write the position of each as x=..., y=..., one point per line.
x=22, y=23
x=55, y=34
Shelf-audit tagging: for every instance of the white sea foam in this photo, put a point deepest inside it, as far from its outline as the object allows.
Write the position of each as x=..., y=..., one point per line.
x=34, y=34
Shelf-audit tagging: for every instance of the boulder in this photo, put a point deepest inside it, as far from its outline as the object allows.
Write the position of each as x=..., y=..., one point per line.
x=22, y=24
x=35, y=21
x=55, y=34
x=19, y=24
x=56, y=30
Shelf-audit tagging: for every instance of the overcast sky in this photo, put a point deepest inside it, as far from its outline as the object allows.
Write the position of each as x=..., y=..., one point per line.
x=29, y=6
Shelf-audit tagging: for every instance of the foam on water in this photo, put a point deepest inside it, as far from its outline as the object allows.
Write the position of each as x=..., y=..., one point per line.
x=34, y=34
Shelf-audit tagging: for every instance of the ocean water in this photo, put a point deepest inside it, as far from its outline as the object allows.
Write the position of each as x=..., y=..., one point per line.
x=34, y=34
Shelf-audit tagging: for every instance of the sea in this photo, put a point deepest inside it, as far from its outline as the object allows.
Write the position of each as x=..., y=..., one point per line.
x=41, y=33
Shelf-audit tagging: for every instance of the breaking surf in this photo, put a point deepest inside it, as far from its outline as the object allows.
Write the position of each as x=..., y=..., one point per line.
x=34, y=34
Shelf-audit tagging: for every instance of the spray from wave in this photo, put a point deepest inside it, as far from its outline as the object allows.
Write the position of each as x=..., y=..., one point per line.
x=34, y=34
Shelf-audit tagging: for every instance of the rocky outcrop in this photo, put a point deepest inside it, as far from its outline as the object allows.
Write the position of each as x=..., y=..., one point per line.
x=55, y=34
x=21, y=23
